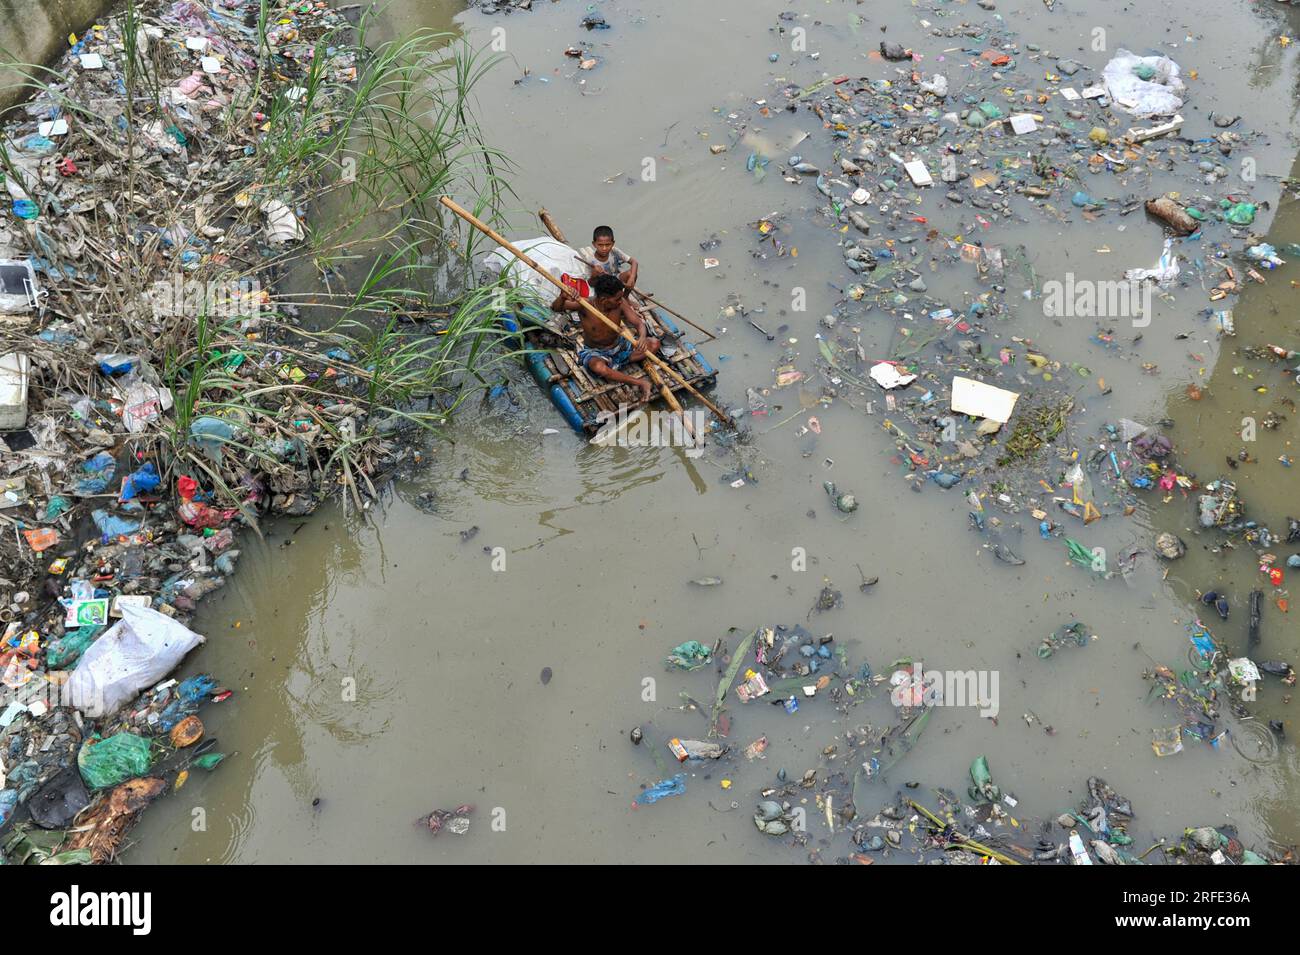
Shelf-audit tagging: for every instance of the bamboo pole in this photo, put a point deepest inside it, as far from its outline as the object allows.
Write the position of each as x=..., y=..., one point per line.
x=676, y=314
x=500, y=240
x=960, y=839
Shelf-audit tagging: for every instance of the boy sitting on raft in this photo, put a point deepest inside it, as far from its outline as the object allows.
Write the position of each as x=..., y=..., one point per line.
x=603, y=256
x=605, y=351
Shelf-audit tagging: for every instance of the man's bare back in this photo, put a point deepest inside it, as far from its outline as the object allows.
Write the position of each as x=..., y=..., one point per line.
x=605, y=351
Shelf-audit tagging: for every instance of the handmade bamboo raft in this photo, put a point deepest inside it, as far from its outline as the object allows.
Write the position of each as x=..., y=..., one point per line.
x=586, y=400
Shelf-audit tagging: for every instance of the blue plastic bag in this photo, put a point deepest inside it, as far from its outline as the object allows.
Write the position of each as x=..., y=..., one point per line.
x=112, y=365
x=209, y=434
x=8, y=803
x=669, y=787
x=110, y=525
x=99, y=474
x=142, y=481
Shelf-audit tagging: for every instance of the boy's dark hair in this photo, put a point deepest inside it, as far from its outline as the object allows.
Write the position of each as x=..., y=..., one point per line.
x=602, y=232
x=606, y=285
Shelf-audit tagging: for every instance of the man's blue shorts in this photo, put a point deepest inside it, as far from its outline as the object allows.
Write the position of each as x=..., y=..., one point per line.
x=615, y=355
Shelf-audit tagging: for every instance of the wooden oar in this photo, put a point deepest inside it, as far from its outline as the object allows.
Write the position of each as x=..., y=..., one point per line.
x=554, y=229
x=675, y=314
x=590, y=309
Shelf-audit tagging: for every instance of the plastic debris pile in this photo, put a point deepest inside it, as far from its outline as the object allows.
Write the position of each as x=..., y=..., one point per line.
x=130, y=463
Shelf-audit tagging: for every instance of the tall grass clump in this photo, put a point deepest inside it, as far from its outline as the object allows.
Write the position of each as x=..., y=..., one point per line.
x=361, y=320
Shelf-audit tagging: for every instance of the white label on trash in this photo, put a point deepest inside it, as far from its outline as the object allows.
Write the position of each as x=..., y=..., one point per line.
x=82, y=613
x=211, y=64
x=57, y=127
x=920, y=175
x=1023, y=123
x=983, y=401
x=196, y=43
x=1094, y=92
x=129, y=600
x=92, y=61
x=1070, y=93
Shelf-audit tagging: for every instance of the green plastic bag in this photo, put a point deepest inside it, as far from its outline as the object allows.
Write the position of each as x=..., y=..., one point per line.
x=209, y=761
x=107, y=762
x=67, y=649
x=991, y=110
x=1084, y=557
x=1240, y=213
x=690, y=655
x=982, y=787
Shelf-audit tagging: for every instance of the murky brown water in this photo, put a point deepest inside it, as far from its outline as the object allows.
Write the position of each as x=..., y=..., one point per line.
x=445, y=653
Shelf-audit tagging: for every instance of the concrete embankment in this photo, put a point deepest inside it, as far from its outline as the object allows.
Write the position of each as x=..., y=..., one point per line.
x=35, y=31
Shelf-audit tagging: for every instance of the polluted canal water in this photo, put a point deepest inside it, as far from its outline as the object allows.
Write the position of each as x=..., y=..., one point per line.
x=493, y=630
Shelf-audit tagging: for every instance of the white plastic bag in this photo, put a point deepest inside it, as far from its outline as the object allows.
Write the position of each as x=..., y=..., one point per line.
x=887, y=375
x=1138, y=97
x=136, y=652
x=555, y=257
x=938, y=85
x=282, y=223
x=1165, y=272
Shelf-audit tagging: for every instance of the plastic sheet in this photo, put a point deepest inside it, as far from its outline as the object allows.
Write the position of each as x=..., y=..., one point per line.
x=1143, y=85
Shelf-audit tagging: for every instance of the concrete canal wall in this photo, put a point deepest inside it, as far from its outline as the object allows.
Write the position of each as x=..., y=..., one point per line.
x=35, y=31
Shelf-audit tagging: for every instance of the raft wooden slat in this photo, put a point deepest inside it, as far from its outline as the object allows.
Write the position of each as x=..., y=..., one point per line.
x=696, y=372
x=600, y=398
x=577, y=373
x=579, y=384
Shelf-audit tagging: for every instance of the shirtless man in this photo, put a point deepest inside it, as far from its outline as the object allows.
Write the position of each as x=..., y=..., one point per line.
x=605, y=351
